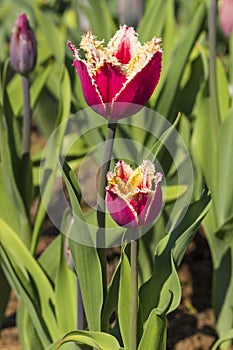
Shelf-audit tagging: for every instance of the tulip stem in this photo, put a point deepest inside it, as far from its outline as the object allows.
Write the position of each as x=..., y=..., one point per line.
x=133, y=295
x=212, y=65
x=26, y=172
x=230, y=68
x=101, y=206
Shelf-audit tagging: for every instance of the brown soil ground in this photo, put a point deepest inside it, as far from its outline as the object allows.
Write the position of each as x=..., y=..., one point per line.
x=190, y=327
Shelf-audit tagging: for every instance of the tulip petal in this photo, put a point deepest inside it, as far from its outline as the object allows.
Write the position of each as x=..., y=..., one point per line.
x=121, y=211
x=124, y=44
x=89, y=88
x=153, y=208
x=139, y=89
x=109, y=80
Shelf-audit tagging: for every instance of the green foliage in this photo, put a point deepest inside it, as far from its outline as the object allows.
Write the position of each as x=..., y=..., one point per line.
x=46, y=286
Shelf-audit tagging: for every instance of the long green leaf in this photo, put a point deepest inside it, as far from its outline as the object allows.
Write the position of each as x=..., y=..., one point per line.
x=28, y=335
x=94, y=10
x=48, y=171
x=86, y=258
x=111, y=299
x=154, y=335
x=124, y=300
x=29, y=282
x=169, y=253
x=223, y=189
x=153, y=20
x=65, y=293
x=170, y=81
x=13, y=210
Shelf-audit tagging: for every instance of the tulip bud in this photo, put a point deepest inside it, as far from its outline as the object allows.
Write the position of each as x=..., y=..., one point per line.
x=226, y=16
x=23, y=46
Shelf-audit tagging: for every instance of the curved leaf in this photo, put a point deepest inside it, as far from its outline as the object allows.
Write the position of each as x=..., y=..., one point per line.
x=98, y=340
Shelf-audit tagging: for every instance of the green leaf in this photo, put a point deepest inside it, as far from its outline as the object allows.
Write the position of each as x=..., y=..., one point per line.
x=204, y=138
x=154, y=335
x=226, y=338
x=28, y=335
x=164, y=280
x=29, y=283
x=14, y=88
x=85, y=257
x=111, y=299
x=223, y=291
x=52, y=151
x=94, y=11
x=170, y=80
x=97, y=340
x=65, y=292
x=222, y=192
x=174, y=192
x=88, y=268
x=53, y=36
x=124, y=300
x=168, y=255
x=12, y=210
x=153, y=20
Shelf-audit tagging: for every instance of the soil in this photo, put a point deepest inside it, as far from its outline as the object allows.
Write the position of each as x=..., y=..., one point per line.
x=190, y=327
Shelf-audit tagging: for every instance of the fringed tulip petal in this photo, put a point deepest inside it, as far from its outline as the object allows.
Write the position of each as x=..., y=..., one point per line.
x=124, y=44
x=89, y=88
x=139, y=89
x=121, y=212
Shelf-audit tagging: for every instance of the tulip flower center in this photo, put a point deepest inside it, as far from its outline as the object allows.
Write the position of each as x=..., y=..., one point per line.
x=127, y=182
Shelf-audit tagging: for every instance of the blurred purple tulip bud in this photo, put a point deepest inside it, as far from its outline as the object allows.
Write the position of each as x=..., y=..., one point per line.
x=23, y=46
x=226, y=16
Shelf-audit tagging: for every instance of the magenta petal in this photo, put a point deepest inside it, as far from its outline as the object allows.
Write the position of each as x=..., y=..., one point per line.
x=123, y=53
x=90, y=92
x=109, y=80
x=138, y=90
x=121, y=213
x=153, y=208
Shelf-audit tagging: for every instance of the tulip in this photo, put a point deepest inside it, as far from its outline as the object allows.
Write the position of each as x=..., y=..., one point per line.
x=134, y=197
x=23, y=46
x=226, y=16
x=117, y=80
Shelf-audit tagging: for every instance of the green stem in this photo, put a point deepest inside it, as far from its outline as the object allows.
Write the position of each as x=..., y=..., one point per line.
x=26, y=168
x=212, y=65
x=101, y=206
x=133, y=295
x=231, y=68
